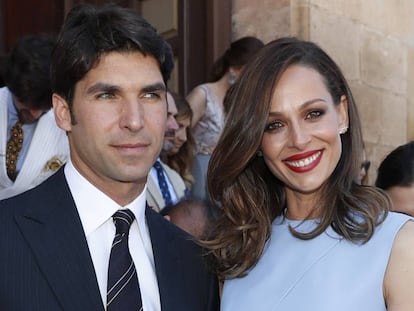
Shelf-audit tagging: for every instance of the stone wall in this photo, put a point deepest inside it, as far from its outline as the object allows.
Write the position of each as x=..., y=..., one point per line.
x=371, y=40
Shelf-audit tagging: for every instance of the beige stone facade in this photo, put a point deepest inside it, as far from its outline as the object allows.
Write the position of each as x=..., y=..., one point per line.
x=371, y=40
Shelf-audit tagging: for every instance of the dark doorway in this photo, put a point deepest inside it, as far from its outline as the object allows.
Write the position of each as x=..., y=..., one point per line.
x=200, y=32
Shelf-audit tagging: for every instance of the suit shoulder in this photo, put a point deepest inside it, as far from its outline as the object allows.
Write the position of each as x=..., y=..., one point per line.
x=170, y=171
x=37, y=195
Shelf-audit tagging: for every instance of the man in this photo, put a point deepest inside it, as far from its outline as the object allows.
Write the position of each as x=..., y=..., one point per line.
x=172, y=126
x=165, y=185
x=109, y=73
x=32, y=146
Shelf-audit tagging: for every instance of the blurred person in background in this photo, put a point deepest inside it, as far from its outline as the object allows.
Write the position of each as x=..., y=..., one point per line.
x=32, y=146
x=181, y=156
x=206, y=101
x=362, y=177
x=165, y=185
x=192, y=215
x=395, y=175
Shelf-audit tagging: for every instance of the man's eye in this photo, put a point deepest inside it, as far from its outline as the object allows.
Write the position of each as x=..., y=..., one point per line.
x=151, y=95
x=105, y=96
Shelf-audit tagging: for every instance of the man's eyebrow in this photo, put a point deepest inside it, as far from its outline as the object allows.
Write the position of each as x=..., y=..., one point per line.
x=106, y=87
x=154, y=87
x=99, y=87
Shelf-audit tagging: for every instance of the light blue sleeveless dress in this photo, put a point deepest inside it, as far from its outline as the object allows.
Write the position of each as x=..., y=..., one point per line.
x=327, y=273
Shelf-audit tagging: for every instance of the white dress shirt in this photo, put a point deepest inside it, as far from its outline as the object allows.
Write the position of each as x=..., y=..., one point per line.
x=95, y=211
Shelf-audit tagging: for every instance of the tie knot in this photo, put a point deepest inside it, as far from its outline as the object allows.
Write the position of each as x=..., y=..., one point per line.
x=123, y=220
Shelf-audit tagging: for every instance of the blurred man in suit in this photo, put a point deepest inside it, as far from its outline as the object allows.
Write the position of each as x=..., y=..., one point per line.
x=32, y=146
x=165, y=185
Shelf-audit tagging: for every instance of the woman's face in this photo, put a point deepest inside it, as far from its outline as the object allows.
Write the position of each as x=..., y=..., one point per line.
x=301, y=144
x=181, y=134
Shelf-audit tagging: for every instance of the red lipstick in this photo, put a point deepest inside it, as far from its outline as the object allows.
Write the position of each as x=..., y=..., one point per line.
x=304, y=162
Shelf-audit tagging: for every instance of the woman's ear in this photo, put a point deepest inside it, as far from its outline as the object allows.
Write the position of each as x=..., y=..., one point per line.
x=343, y=113
x=62, y=113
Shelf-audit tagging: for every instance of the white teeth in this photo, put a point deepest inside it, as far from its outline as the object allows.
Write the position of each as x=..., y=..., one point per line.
x=304, y=162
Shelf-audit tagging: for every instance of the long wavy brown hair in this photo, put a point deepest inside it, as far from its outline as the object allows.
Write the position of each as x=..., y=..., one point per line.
x=250, y=196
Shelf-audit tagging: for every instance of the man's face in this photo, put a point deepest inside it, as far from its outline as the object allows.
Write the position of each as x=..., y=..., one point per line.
x=172, y=124
x=28, y=115
x=121, y=116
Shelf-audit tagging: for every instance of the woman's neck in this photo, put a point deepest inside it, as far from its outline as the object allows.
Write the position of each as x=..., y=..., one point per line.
x=302, y=206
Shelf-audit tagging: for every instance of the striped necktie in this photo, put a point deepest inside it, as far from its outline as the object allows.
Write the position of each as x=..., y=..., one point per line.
x=162, y=183
x=123, y=288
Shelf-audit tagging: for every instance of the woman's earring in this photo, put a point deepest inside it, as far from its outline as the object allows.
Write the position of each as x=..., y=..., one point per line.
x=343, y=130
x=259, y=153
x=232, y=78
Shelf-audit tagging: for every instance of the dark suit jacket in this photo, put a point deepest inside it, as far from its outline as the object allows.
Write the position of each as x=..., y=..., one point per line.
x=45, y=262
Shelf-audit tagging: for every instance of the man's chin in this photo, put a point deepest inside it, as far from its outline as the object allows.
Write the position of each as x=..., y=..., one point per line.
x=27, y=118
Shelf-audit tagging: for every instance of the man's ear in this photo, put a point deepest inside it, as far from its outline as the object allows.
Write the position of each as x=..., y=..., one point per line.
x=62, y=113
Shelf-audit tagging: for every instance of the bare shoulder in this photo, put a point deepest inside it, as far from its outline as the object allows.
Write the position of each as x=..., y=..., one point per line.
x=197, y=99
x=399, y=276
x=196, y=94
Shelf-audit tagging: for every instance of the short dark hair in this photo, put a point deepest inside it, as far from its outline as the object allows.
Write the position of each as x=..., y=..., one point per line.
x=89, y=32
x=397, y=169
x=27, y=70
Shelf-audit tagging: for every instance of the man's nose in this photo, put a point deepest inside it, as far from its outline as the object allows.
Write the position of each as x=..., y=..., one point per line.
x=172, y=123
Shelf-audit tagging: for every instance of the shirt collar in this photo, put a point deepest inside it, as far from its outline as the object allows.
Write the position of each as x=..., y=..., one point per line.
x=12, y=112
x=94, y=206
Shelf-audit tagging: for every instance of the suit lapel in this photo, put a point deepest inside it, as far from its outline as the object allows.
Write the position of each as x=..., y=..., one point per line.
x=154, y=193
x=55, y=234
x=168, y=268
x=176, y=181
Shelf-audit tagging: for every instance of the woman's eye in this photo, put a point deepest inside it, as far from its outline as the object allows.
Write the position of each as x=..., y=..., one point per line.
x=273, y=126
x=314, y=114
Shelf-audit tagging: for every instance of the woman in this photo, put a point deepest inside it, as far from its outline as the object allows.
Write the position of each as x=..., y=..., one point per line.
x=181, y=156
x=296, y=231
x=396, y=177
x=206, y=101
